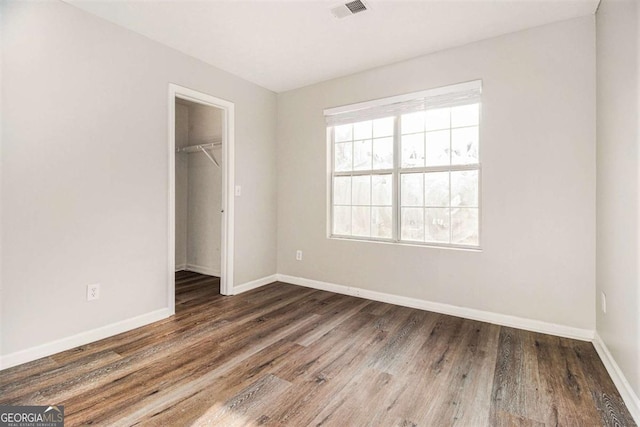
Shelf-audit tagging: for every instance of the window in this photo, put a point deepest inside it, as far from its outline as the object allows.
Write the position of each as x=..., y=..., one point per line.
x=407, y=169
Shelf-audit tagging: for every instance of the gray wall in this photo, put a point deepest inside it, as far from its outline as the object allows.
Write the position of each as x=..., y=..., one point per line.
x=618, y=196
x=84, y=171
x=538, y=180
x=2, y=328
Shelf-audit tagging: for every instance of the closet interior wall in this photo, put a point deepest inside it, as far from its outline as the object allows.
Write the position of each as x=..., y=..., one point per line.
x=198, y=189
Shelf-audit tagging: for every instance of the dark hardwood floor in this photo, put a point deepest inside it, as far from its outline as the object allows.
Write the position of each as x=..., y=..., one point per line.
x=287, y=355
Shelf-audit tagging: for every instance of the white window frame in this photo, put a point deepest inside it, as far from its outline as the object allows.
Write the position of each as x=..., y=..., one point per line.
x=398, y=170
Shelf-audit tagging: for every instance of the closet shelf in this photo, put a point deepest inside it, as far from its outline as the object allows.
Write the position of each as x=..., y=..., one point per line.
x=201, y=148
x=197, y=148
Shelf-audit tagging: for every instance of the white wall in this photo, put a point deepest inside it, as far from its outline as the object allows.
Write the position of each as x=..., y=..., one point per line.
x=618, y=228
x=182, y=185
x=205, y=192
x=538, y=180
x=84, y=171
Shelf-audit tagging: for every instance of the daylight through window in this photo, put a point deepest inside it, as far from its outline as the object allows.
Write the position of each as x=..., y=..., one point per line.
x=407, y=169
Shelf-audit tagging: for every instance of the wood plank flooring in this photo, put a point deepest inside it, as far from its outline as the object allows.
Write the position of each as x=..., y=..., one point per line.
x=286, y=355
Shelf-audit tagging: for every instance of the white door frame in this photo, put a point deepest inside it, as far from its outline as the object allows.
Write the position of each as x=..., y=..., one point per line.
x=228, y=113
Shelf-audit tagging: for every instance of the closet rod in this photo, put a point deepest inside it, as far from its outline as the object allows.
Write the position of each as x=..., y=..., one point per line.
x=195, y=148
x=203, y=148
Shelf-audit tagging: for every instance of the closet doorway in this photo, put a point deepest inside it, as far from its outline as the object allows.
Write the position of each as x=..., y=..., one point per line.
x=200, y=177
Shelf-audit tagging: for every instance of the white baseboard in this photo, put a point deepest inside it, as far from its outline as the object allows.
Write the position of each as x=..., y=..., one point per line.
x=47, y=349
x=202, y=270
x=624, y=388
x=181, y=267
x=254, y=284
x=467, y=313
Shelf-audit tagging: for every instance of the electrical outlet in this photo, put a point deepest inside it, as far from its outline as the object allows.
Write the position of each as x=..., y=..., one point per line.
x=603, y=302
x=93, y=292
x=238, y=190
x=299, y=255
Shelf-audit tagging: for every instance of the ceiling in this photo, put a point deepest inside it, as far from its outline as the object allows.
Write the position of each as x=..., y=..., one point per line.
x=287, y=44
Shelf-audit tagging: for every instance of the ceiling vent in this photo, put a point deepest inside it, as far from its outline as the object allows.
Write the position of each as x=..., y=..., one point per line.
x=349, y=8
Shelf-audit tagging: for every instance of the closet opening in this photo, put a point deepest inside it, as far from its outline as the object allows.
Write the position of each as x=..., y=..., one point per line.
x=200, y=230
x=198, y=196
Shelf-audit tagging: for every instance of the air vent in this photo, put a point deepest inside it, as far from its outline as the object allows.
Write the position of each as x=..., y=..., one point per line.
x=348, y=9
x=356, y=6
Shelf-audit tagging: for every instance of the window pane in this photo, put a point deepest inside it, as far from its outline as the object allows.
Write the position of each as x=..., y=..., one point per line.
x=343, y=153
x=342, y=220
x=362, y=130
x=437, y=153
x=362, y=155
x=465, y=115
x=464, y=188
x=343, y=133
x=413, y=122
x=437, y=119
x=361, y=190
x=436, y=189
x=382, y=190
x=464, y=146
x=464, y=226
x=383, y=127
x=381, y=223
x=412, y=224
x=438, y=207
x=342, y=190
x=437, y=225
x=383, y=153
x=361, y=220
x=413, y=150
x=412, y=189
